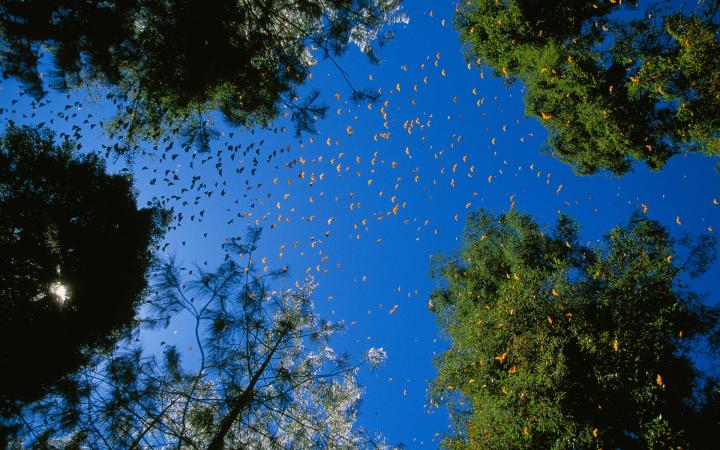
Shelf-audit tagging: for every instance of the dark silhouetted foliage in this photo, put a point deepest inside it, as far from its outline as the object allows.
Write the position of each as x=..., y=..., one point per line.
x=612, y=81
x=173, y=63
x=65, y=224
x=556, y=344
x=261, y=373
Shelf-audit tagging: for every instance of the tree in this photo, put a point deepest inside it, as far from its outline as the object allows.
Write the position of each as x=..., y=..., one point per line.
x=264, y=376
x=172, y=64
x=75, y=252
x=556, y=344
x=611, y=83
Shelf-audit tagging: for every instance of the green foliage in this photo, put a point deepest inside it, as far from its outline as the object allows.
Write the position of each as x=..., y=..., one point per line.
x=173, y=63
x=611, y=84
x=65, y=224
x=556, y=344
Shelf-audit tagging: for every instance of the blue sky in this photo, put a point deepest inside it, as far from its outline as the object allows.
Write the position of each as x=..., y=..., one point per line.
x=444, y=139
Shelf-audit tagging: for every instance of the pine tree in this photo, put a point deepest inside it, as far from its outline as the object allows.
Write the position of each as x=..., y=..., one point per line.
x=171, y=64
x=557, y=344
x=263, y=375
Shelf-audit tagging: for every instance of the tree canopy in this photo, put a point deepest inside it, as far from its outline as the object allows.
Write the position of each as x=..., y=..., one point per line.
x=260, y=373
x=172, y=64
x=612, y=81
x=75, y=251
x=556, y=344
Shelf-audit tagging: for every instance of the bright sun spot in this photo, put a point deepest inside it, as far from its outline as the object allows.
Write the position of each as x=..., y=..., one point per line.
x=59, y=291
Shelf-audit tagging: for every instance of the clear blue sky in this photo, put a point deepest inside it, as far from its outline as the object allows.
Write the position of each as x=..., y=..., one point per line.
x=469, y=146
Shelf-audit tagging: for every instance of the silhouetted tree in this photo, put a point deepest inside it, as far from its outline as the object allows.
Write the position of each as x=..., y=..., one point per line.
x=610, y=82
x=556, y=344
x=74, y=252
x=172, y=63
x=264, y=376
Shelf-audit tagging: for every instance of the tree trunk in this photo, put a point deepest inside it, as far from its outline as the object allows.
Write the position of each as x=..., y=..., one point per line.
x=218, y=441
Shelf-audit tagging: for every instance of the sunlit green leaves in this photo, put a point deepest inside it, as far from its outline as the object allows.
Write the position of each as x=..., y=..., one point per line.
x=556, y=344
